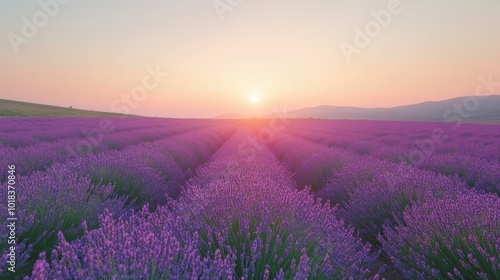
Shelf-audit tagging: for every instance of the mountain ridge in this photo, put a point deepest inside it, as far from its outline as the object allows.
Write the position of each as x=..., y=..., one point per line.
x=487, y=109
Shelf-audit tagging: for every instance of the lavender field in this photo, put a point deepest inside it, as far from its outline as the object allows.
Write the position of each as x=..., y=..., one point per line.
x=146, y=198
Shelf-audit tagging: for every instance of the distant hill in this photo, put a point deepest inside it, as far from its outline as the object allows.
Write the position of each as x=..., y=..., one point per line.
x=487, y=111
x=10, y=108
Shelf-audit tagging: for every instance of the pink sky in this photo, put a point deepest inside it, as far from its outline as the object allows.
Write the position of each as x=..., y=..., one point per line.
x=279, y=53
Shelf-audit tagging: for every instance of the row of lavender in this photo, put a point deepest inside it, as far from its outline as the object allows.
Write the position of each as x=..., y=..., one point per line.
x=64, y=194
x=471, y=151
x=23, y=132
x=432, y=219
x=107, y=136
x=402, y=141
x=239, y=218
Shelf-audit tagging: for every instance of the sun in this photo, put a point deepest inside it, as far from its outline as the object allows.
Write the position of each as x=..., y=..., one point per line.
x=254, y=99
x=254, y=96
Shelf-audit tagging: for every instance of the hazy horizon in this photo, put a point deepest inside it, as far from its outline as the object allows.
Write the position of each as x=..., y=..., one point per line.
x=248, y=57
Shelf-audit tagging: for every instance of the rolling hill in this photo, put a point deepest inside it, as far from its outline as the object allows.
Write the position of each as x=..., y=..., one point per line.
x=10, y=108
x=488, y=110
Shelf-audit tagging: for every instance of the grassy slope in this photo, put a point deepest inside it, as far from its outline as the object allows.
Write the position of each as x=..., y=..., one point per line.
x=10, y=108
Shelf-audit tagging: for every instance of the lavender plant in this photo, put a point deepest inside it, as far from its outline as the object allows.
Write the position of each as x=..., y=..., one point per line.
x=452, y=238
x=140, y=246
x=274, y=230
x=382, y=201
x=52, y=201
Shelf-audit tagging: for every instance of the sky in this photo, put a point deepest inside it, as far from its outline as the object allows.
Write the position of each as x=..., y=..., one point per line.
x=202, y=58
